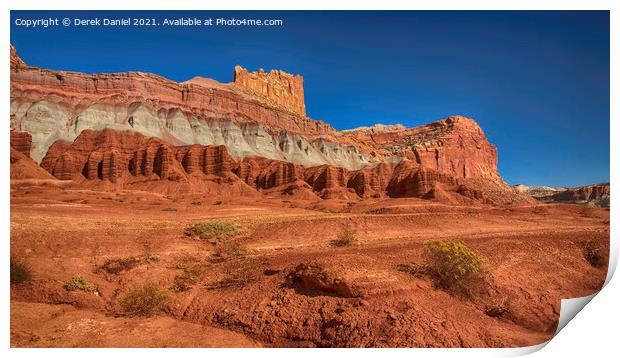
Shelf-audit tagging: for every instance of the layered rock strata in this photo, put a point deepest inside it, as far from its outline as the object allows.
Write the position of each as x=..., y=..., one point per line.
x=455, y=145
x=59, y=105
x=128, y=159
x=260, y=114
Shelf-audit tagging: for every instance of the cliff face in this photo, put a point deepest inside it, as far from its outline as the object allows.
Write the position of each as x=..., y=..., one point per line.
x=58, y=105
x=281, y=88
x=455, y=145
x=597, y=194
x=260, y=115
x=124, y=160
x=585, y=193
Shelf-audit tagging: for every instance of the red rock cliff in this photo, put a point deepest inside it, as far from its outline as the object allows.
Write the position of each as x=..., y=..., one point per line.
x=455, y=145
x=281, y=88
x=128, y=159
x=260, y=115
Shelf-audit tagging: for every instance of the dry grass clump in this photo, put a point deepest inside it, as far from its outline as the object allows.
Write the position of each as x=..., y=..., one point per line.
x=193, y=271
x=79, y=283
x=239, y=272
x=144, y=300
x=229, y=249
x=346, y=237
x=454, y=266
x=213, y=230
x=20, y=271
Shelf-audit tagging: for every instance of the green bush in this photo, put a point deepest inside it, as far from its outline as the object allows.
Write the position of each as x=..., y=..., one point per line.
x=213, y=230
x=79, y=283
x=20, y=272
x=144, y=300
x=346, y=237
x=453, y=265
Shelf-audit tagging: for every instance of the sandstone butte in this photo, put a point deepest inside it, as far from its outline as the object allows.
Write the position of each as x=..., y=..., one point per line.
x=141, y=131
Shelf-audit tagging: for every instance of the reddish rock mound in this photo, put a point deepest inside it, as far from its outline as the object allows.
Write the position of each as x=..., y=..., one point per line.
x=22, y=166
x=312, y=279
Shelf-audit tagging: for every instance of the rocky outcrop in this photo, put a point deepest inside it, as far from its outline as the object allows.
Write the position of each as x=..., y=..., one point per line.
x=131, y=160
x=582, y=193
x=139, y=130
x=211, y=160
x=22, y=166
x=16, y=61
x=277, y=87
x=22, y=142
x=260, y=114
x=596, y=194
x=456, y=146
x=537, y=191
x=410, y=180
x=59, y=105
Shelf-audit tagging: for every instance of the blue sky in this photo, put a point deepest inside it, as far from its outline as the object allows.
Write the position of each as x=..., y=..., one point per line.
x=536, y=82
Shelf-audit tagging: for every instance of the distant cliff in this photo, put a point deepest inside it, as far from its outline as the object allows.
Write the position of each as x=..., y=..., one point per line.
x=84, y=126
x=596, y=194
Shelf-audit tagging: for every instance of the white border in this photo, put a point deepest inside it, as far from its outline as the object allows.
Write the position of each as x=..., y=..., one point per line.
x=593, y=332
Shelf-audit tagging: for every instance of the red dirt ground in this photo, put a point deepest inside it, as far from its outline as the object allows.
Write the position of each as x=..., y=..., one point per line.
x=533, y=253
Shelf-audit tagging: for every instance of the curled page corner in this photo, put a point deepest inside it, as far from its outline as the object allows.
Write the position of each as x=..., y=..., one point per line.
x=570, y=307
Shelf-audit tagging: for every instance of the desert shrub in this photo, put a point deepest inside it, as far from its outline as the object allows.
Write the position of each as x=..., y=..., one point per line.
x=196, y=202
x=20, y=272
x=229, y=249
x=213, y=230
x=239, y=272
x=593, y=253
x=169, y=209
x=185, y=281
x=144, y=300
x=217, y=202
x=115, y=266
x=453, y=265
x=79, y=283
x=193, y=271
x=346, y=237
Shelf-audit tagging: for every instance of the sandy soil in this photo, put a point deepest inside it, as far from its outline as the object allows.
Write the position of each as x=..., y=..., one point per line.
x=534, y=255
